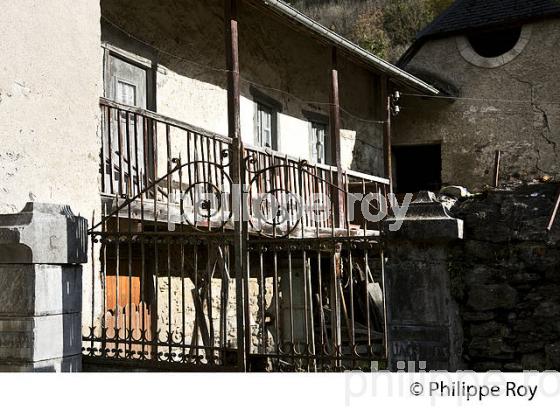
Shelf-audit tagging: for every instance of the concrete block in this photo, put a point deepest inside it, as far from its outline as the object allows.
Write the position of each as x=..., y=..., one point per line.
x=39, y=290
x=40, y=338
x=43, y=233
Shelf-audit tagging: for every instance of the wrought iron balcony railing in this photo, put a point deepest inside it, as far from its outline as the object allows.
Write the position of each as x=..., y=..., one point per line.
x=175, y=286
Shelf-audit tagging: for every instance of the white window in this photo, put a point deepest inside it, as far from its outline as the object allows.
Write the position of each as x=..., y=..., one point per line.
x=126, y=93
x=266, y=134
x=319, y=142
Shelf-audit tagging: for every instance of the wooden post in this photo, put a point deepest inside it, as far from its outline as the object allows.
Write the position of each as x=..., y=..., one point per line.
x=234, y=132
x=387, y=149
x=335, y=138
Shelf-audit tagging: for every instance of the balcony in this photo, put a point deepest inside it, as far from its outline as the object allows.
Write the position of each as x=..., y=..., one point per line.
x=163, y=171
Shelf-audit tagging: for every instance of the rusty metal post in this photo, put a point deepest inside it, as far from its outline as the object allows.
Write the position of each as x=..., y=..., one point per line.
x=387, y=149
x=335, y=138
x=234, y=130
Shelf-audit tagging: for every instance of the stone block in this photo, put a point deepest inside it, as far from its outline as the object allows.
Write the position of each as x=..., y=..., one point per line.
x=40, y=338
x=426, y=220
x=62, y=364
x=524, y=278
x=552, y=353
x=455, y=191
x=38, y=290
x=533, y=361
x=418, y=251
x=536, y=328
x=489, y=329
x=423, y=320
x=484, y=251
x=539, y=257
x=418, y=292
x=513, y=367
x=529, y=347
x=419, y=343
x=478, y=316
x=491, y=297
x=487, y=366
x=548, y=309
x=44, y=234
x=483, y=275
x=490, y=348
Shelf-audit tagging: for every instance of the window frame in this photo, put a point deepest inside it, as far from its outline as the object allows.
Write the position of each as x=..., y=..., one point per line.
x=314, y=118
x=260, y=108
x=260, y=99
x=150, y=66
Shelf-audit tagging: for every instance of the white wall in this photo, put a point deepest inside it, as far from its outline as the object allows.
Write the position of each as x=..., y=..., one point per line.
x=50, y=81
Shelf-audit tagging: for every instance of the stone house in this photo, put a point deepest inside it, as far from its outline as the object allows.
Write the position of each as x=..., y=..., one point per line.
x=130, y=111
x=497, y=63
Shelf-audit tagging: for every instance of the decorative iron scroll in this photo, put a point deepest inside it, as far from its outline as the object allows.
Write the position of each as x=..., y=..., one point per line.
x=164, y=281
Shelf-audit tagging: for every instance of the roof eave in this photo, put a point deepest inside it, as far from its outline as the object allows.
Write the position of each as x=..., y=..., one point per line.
x=399, y=75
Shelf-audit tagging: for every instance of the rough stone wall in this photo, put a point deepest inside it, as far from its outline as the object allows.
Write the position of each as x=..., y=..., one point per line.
x=526, y=129
x=177, y=308
x=50, y=80
x=506, y=277
x=279, y=61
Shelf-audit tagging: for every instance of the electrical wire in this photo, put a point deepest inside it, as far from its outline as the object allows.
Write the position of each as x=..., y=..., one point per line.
x=242, y=78
x=481, y=99
x=323, y=103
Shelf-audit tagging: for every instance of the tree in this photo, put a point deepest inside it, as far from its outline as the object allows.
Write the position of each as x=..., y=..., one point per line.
x=404, y=18
x=384, y=27
x=438, y=6
x=369, y=33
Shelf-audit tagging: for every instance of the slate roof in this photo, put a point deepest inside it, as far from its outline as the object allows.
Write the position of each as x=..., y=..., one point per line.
x=471, y=15
x=465, y=15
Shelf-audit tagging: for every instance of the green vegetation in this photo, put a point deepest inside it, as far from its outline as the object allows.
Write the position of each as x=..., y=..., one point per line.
x=384, y=27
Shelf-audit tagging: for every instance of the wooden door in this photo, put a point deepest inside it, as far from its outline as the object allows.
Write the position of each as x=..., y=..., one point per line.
x=128, y=304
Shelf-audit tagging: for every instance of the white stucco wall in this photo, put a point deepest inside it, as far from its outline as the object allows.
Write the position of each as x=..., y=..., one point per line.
x=50, y=79
x=196, y=102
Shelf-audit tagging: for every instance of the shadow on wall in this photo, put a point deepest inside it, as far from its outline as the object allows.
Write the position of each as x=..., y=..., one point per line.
x=188, y=60
x=167, y=35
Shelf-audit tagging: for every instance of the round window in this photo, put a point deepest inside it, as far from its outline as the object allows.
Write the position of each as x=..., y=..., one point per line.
x=494, y=43
x=491, y=49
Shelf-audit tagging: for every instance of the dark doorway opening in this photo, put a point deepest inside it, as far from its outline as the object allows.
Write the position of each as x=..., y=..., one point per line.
x=418, y=168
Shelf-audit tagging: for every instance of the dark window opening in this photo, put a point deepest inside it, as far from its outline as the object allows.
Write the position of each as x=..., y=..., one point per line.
x=418, y=168
x=495, y=43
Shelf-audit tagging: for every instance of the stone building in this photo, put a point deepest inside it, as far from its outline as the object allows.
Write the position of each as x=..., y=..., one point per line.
x=130, y=111
x=143, y=118
x=497, y=63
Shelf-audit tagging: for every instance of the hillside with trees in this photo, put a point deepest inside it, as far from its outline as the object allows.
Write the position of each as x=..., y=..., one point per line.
x=384, y=27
